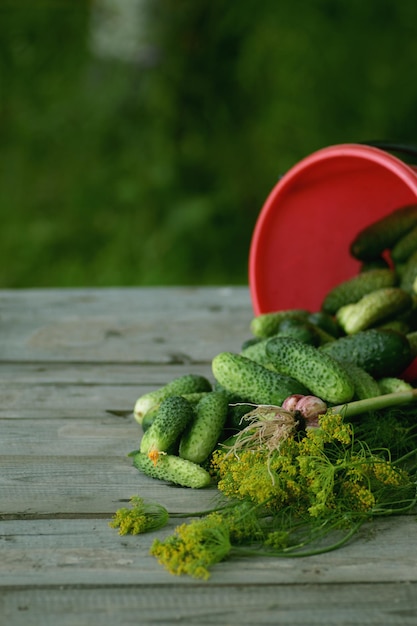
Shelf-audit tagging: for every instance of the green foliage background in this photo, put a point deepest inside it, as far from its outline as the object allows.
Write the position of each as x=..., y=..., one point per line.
x=154, y=170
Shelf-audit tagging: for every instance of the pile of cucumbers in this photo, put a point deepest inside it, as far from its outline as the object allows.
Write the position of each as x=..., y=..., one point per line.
x=357, y=346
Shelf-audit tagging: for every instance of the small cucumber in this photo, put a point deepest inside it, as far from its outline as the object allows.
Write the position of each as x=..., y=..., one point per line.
x=173, y=469
x=326, y=323
x=381, y=352
x=318, y=371
x=188, y=383
x=373, y=308
x=392, y=384
x=201, y=436
x=298, y=329
x=267, y=324
x=253, y=382
x=365, y=385
x=353, y=289
x=405, y=246
x=409, y=274
x=175, y=413
x=384, y=233
x=412, y=339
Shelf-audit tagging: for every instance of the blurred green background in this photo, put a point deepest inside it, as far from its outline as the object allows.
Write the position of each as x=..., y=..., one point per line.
x=140, y=138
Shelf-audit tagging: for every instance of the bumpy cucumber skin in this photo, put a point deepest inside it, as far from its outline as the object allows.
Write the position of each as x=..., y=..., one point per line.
x=188, y=383
x=318, y=371
x=175, y=413
x=393, y=385
x=202, y=435
x=267, y=324
x=373, y=308
x=365, y=385
x=405, y=246
x=252, y=382
x=409, y=274
x=381, y=352
x=412, y=339
x=383, y=234
x=173, y=469
x=353, y=289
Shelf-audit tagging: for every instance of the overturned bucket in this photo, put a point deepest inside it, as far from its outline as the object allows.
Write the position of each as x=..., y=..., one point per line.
x=300, y=244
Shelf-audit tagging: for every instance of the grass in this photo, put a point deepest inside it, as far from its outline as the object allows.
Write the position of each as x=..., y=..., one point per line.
x=154, y=171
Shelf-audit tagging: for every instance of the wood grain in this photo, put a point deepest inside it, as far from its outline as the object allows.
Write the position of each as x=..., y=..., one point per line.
x=72, y=364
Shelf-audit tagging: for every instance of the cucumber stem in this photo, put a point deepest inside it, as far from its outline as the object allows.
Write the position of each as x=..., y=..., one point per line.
x=373, y=404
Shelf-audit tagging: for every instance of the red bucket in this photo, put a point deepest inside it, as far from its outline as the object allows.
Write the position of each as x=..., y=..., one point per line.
x=300, y=244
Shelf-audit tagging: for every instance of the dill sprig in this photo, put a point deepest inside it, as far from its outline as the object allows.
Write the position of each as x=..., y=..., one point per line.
x=290, y=491
x=308, y=493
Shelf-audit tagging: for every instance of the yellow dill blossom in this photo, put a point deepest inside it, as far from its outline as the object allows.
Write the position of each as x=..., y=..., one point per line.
x=358, y=496
x=277, y=539
x=389, y=475
x=141, y=518
x=194, y=547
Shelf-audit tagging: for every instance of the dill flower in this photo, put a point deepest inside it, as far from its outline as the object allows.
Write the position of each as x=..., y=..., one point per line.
x=194, y=547
x=141, y=518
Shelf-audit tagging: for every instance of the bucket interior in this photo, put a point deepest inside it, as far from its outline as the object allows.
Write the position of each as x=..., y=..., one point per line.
x=300, y=245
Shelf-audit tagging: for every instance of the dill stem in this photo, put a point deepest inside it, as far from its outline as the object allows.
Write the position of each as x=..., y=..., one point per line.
x=287, y=552
x=373, y=404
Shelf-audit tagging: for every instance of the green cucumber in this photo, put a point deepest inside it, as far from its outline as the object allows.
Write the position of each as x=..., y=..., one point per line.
x=326, y=323
x=173, y=469
x=405, y=246
x=365, y=385
x=381, y=352
x=408, y=279
x=384, y=233
x=188, y=383
x=175, y=413
x=353, y=289
x=302, y=330
x=201, y=436
x=267, y=324
x=253, y=382
x=373, y=308
x=318, y=371
x=392, y=384
x=412, y=339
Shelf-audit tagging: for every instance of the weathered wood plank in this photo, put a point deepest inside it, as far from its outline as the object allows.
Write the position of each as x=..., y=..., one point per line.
x=122, y=325
x=104, y=436
x=87, y=551
x=393, y=604
x=79, y=485
x=48, y=373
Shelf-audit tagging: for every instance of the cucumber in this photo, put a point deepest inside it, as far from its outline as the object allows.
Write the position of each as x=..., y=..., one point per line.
x=316, y=370
x=173, y=469
x=149, y=417
x=201, y=436
x=381, y=352
x=405, y=246
x=299, y=329
x=253, y=382
x=267, y=324
x=256, y=352
x=392, y=384
x=365, y=385
x=412, y=339
x=373, y=308
x=384, y=233
x=353, y=289
x=409, y=274
x=188, y=383
x=175, y=413
x=326, y=323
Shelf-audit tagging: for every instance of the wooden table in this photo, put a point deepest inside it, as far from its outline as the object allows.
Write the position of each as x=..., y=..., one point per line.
x=73, y=362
